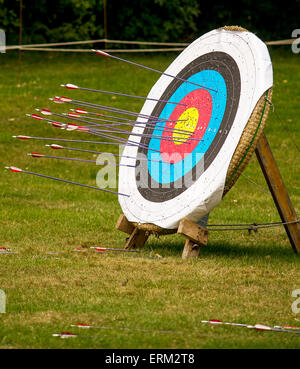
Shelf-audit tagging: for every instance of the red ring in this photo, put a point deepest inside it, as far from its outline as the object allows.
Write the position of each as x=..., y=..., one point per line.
x=202, y=101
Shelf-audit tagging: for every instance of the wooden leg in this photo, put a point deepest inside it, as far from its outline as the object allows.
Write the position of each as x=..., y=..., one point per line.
x=196, y=236
x=124, y=225
x=191, y=250
x=278, y=190
x=137, y=239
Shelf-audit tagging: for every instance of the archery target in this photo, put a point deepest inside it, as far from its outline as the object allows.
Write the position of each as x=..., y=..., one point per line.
x=189, y=138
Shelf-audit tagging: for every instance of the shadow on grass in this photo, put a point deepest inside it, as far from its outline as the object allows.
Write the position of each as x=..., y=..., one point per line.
x=235, y=250
x=230, y=249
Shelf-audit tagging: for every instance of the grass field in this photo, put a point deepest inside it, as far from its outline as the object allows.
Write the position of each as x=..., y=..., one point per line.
x=238, y=277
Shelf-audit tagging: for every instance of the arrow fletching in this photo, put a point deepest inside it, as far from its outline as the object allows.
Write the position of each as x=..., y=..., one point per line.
x=212, y=321
x=14, y=169
x=80, y=111
x=81, y=325
x=55, y=147
x=35, y=155
x=64, y=99
x=70, y=86
x=20, y=137
x=56, y=100
x=100, y=52
x=44, y=111
x=35, y=116
x=72, y=115
x=64, y=335
x=262, y=327
x=60, y=100
x=58, y=124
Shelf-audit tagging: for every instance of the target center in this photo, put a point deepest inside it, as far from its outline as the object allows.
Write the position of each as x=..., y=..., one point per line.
x=187, y=123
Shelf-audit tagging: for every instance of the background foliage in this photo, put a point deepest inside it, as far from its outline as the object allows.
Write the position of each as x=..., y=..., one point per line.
x=147, y=20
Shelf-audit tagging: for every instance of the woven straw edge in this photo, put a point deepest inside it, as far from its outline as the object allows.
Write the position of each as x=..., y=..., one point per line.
x=233, y=28
x=239, y=161
x=154, y=229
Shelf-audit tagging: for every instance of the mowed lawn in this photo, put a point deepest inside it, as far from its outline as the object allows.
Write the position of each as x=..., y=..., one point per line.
x=238, y=277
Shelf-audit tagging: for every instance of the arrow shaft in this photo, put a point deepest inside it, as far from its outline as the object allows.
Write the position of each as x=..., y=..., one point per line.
x=86, y=160
x=259, y=327
x=112, y=129
x=128, y=123
x=111, y=109
x=154, y=70
x=70, y=182
x=125, y=95
x=154, y=119
x=162, y=138
x=103, y=152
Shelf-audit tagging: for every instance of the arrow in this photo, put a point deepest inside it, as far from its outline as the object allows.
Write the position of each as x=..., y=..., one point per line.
x=66, y=126
x=73, y=127
x=74, y=87
x=128, y=122
x=59, y=147
x=100, y=52
x=65, y=335
x=6, y=250
x=286, y=327
x=132, y=122
x=37, y=155
x=80, y=249
x=21, y=137
x=258, y=327
x=156, y=120
x=103, y=249
x=62, y=99
x=18, y=170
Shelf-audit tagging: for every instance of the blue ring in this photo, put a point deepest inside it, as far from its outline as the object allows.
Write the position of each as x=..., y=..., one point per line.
x=166, y=172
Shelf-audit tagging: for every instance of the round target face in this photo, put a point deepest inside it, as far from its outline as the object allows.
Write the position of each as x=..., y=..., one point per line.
x=190, y=135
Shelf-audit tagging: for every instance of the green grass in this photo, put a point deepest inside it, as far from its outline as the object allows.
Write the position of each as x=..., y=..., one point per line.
x=238, y=277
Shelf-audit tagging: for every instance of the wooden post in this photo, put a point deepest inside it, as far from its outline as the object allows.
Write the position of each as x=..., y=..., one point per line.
x=196, y=235
x=137, y=239
x=20, y=42
x=105, y=23
x=191, y=250
x=137, y=236
x=278, y=190
x=123, y=225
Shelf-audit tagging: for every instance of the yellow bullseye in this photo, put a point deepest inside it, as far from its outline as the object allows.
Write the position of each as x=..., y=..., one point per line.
x=187, y=121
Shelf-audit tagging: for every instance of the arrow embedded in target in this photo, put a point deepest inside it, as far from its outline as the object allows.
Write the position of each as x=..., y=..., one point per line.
x=103, y=53
x=38, y=155
x=74, y=87
x=18, y=170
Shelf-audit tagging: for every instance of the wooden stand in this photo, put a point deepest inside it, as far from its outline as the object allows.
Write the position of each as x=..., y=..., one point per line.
x=197, y=236
x=278, y=190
